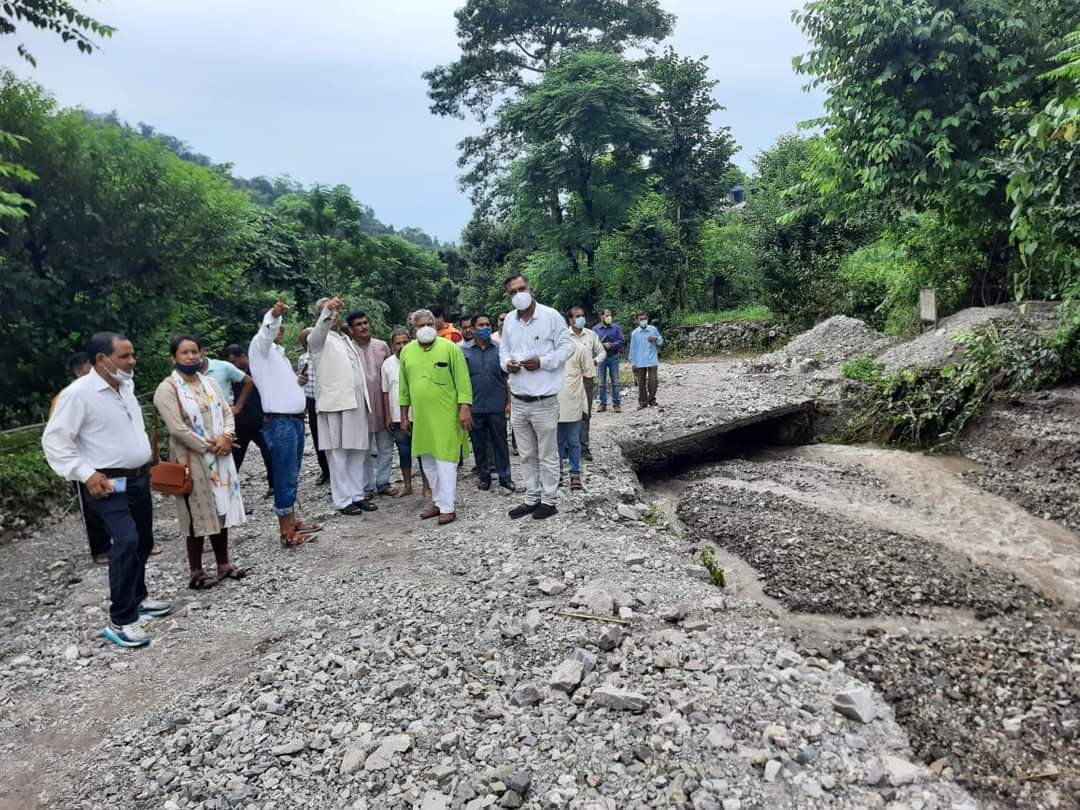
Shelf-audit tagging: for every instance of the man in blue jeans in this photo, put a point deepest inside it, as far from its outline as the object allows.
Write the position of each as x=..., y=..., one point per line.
x=96, y=436
x=284, y=407
x=490, y=407
x=611, y=338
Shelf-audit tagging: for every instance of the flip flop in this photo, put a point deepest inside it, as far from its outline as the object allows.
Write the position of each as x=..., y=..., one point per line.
x=307, y=528
x=293, y=539
x=233, y=572
x=201, y=582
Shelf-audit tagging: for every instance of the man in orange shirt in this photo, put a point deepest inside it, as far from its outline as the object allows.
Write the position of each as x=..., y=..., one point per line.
x=444, y=328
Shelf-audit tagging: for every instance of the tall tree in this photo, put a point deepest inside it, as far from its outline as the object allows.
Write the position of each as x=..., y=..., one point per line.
x=58, y=16
x=916, y=90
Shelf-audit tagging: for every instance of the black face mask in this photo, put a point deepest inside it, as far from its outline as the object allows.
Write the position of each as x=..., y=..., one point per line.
x=189, y=368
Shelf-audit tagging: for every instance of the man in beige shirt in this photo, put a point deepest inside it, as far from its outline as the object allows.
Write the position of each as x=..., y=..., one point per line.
x=595, y=349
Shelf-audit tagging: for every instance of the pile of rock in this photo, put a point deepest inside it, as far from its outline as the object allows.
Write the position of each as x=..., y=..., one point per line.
x=826, y=347
x=729, y=337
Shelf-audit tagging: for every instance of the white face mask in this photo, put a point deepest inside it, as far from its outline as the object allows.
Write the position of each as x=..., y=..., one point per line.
x=120, y=375
x=643, y=323
x=426, y=334
x=521, y=300
x=579, y=321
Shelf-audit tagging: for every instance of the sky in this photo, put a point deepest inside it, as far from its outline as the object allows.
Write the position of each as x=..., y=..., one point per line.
x=333, y=94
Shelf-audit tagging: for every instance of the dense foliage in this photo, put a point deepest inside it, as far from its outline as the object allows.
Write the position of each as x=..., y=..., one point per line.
x=115, y=230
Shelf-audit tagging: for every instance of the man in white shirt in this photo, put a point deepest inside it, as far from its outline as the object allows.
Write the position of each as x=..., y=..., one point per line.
x=96, y=436
x=534, y=349
x=591, y=341
x=283, y=405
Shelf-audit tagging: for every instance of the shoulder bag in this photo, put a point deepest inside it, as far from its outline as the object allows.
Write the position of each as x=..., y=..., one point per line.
x=168, y=477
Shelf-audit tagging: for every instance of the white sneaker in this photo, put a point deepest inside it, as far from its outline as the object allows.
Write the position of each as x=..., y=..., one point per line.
x=155, y=608
x=127, y=635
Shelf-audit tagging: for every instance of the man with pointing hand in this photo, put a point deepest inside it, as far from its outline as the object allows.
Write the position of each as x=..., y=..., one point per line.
x=534, y=348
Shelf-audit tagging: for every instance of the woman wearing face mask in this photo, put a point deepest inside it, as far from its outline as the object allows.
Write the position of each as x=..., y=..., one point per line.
x=200, y=424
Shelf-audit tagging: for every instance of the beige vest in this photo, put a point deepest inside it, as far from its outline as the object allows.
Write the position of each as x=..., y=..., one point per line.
x=335, y=385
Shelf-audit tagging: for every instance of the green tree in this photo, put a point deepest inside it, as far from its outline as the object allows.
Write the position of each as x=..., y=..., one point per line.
x=58, y=16
x=914, y=111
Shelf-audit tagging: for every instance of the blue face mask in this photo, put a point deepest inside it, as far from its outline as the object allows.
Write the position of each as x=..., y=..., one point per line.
x=193, y=368
x=484, y=333
x=579, y=321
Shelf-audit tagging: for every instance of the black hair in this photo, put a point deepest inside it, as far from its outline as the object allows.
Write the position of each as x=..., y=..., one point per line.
x=77, y=361
x=235, y=350
x=467, y=317
x=512, y=277
x=175, y=342
x=356, y=316
x=480, y=315
x=102, y=343
x=438, y=311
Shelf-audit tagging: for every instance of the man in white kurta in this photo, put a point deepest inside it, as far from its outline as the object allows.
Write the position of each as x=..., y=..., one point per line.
x=343, y=409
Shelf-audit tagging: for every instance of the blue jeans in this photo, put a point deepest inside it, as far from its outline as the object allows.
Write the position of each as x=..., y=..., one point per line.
x=403, y=441
x=610, y=367
x=488, y=440
x=284, y=435
x=570, y=446
x=129, y=518
x=380, y=481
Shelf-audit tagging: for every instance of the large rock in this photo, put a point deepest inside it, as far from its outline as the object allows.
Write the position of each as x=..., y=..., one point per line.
x=381, y=758
x=623, y=700
x=856, y=704
x=567, y=675
x=899, y=771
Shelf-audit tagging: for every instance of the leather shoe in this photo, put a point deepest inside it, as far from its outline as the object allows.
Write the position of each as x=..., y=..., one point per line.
x=367, y=505
x=544, y=510
x=523, y=509
x=449, y=517
x=430, y=512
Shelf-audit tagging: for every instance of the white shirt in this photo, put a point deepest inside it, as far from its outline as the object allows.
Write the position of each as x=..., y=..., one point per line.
x=95, y=427
x=596, y=350
x=273, y=373
x=545, y=336
x=391, y=381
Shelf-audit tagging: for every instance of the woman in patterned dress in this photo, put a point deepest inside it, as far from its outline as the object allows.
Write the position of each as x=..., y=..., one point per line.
x=200, y=425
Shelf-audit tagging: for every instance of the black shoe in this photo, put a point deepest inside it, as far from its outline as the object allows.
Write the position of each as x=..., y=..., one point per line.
x=586, y=454
x=523, y=509
x=366, y=504
x=544, y=510
x=323, y=479
x=484, y=485
x=353, y=509
x=508, y=486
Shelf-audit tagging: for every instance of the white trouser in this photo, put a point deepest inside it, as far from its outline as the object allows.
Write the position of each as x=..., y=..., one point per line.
x=346, y=476
x=536, y=427
x=442, y=477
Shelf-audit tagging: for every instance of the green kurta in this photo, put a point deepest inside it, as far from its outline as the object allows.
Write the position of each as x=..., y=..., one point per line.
x=435, y=381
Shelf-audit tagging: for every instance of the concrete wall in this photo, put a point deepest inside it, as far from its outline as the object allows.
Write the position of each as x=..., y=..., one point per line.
x=732, y=337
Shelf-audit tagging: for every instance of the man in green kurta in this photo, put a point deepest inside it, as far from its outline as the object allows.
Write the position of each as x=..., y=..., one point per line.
x=434, y=380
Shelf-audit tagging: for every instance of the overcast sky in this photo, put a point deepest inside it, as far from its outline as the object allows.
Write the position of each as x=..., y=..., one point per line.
x=330, y=91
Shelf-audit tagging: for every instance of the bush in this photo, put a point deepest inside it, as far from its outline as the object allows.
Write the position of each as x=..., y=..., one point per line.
x=864, y=368
x=750, y=312
x=929, y=409
x=28, y=486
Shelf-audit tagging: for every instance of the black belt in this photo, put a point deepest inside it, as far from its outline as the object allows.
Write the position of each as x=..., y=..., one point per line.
x=120, y=472
x=268, y=416
x=525, y=398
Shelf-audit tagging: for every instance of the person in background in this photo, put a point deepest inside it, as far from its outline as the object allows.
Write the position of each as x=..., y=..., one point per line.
x=535, y=347
x=443, y=328
x=375, y=352
x=96, y=436
x=587, y=337
x=249, y=421
x=435, y=382
x=344, y=410
x=491, y=406
x=573, y=402
x=468, y=331
x=305, y=375
x=200, y=423
x=611, y=338
x=644, y=359
x=391, y=381
x=226, y=375
x=496, y=336
x=97, y=533
x=283, y=421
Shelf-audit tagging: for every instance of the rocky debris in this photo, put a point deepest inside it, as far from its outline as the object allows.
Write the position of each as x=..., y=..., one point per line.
x=826, y=347
x=567, y=676
x=1028, y=449
x=728, y=337
x=815, y=562
x=938, y=347
x=382, y=757
x=623, y=700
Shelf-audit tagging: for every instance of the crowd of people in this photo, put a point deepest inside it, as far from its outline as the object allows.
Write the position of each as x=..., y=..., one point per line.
x=431, y=393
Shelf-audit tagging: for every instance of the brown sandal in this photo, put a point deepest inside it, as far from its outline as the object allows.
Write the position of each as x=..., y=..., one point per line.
x=293, y=539
x=447, y=517
x=307, y=528
x=200, y=581
x=232, y=572
x=430, y=512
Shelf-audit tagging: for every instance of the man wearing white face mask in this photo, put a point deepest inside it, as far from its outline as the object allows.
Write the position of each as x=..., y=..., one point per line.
x=434, y=380
x=97, y=436
x=535, y=347
x=644, y=359
x=595, y=349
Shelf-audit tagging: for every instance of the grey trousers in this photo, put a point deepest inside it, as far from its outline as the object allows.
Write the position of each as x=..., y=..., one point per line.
x=536, y=426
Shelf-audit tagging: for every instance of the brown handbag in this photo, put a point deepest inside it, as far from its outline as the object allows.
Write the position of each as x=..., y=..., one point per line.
x=168, y=477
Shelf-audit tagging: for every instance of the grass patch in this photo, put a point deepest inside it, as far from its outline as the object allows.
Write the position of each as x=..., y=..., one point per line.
x=864, y=368
x=751, y=312
x=716, y=573
x=29, y=489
